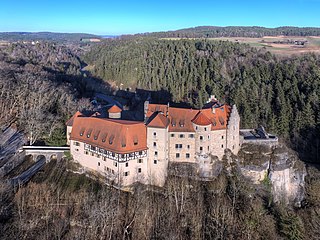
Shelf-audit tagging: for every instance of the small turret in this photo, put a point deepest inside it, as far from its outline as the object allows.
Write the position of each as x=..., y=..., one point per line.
x=115, y=112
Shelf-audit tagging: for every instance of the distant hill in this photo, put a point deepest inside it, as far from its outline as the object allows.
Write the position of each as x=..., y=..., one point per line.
x=47, y=36
x=235, y=31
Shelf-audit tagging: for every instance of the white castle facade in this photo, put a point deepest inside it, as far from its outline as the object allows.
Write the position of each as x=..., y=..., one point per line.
x=126, y=152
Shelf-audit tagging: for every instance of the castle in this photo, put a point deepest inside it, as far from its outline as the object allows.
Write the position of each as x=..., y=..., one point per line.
x=140, y=151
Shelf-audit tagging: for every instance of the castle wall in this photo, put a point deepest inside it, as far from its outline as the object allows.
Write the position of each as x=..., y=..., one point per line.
x=202, y=139
x=233, y=131
x=125, y=173
x=218, y=142
x=157, y=142
x=182, y=146
x=69, y=129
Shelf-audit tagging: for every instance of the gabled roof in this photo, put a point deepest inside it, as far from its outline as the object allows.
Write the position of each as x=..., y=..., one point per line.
x=114, y=109
x=70, y=121
x=159, y=121
x=180, y=119
x=96, y=114
x=118, y=136
x=201, y=119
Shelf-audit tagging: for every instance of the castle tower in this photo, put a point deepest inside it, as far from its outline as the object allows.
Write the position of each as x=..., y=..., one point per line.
x=202, y=126
x=233, y=129
x=158, y=149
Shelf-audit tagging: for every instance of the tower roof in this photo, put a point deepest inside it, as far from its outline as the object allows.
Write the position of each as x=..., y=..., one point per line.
x=159, y=121
x=114, y=109
x=201, y=119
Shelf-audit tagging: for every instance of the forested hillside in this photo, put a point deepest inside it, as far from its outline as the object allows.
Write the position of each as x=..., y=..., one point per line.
x=44, y=36
x=279, y=93
x=41, y=86
x=59, y=204
x=236, y=31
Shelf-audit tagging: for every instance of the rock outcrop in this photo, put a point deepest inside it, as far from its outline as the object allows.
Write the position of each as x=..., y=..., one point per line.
x=280, y=166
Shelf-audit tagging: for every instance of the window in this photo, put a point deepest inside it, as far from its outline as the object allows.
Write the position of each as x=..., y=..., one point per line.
x=76, y=143
x=86, y=152
x=196, y=128
x=154, y=144
x=98, y=164
x=188, y=146
x=98, y=156
x=178, y=146
x=127, y=164
x=187, y=155
x=208, y=148
x=155, y=162
x=208, y=136
x=172, y=135
x=92, y=154
x=222, y=146
x=156, y=153
x=77, y=150
x=139, y=170
x=221, y=137
x=126, y=174
x=181, y=135
x=201, y=148
x=104, y=158
x=177, y=155
x=233, y=137
x=115, y=164
x=191, y=135
x=154, y=134
x=232, y=146
x=205, y=129
x=140, y=160
x=201, y=138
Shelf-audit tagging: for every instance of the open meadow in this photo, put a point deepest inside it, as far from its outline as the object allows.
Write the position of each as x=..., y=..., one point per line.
x=281, y=45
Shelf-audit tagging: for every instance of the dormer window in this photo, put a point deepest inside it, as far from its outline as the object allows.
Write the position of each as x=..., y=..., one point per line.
x=82, y=132
x=221, y=120
x=89, y=133
x=173, y=122
x=111, y=139
x=104, y=137
x=95, y=137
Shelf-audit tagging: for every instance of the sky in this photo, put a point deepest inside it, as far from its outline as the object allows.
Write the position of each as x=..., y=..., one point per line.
x=129, y=17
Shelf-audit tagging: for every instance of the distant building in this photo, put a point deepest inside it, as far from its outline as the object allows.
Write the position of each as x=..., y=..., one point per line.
x=129, y=151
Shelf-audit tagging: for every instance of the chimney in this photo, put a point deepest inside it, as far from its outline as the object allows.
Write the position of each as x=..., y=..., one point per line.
x=146, y=107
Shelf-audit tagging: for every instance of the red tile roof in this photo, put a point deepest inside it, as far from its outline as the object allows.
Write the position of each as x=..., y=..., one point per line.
x=181, y=118
x=118, y=136
x=114, y=109
x=70, y=121
x=201, y=119
x=159, y=121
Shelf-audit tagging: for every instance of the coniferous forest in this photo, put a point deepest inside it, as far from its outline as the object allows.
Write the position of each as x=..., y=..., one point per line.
x=281, y=93
x=42, y=85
